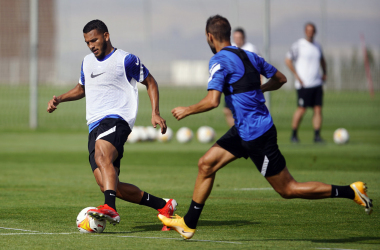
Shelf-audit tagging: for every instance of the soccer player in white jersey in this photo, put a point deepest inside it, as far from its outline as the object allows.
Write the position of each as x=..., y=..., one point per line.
x=236, y=73
x=239, y=40
x=307, y=57
x=109, y=79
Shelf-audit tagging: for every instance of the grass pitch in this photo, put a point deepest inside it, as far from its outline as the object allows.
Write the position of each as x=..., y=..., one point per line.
x=46, y=180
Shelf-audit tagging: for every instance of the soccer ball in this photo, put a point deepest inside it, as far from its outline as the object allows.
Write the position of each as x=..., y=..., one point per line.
x=134, y=136
x=87, y=224
x=341, y=136
x=143, y=135
x=205, y=134
x=184, y=135
x=151, y=133
x=165, y=137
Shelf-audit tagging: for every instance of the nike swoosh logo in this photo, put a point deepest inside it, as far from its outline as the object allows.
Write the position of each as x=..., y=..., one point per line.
x=197, y=207
x=336, y=192
x=137, y=63
x=148, y=197
x=93, y=76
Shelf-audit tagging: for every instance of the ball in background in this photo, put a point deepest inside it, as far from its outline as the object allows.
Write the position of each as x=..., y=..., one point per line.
x=87, y=224
x=205, y=134
x=184, y=135
x=143, y=135
x=134, y=136
x=151, y=133
x=341, y=136
x=165, y=137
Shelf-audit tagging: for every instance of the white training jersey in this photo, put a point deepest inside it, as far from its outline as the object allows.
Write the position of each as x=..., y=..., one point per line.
x=306, y=57
x=248, y=47
x=109, y=91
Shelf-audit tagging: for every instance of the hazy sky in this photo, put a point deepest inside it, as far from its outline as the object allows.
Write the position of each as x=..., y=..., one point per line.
x=167, y=30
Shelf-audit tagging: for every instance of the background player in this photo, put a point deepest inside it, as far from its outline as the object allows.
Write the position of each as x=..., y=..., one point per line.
x=108, y=80
x=237, y=73
x=239, y=40
x=307, y=56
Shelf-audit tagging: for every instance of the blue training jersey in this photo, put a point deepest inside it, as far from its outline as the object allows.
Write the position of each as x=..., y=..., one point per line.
x=132, y=70
x=252, y=118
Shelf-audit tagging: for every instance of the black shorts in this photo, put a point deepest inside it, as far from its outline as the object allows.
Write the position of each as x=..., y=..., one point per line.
x=115, y=131
x=263, y=150
x=310, y=97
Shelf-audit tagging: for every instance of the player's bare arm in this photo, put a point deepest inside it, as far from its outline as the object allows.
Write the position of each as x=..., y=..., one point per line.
x=152, y=89
x=211, y=101
x=324, y=68
x=74, y=94
x=274, y=83
x=290, y=65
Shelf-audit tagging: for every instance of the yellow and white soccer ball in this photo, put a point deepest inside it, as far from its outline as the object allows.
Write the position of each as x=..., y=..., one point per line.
x=205, y=134
x=165, y=137
x=87, y=224
x=184, y=135
x=341, y=136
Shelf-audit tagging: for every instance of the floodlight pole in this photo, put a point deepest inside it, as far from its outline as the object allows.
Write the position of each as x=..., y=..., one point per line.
x=266, y=41
x=33, y=64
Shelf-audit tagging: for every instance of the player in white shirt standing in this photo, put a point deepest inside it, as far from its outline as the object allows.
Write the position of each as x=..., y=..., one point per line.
x=304, y=59
x=240, y=42
x=108, y=80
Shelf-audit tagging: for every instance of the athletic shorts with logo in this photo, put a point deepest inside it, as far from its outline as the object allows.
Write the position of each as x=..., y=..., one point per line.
x=263, y=150
x=115, y=131
x=310, y=97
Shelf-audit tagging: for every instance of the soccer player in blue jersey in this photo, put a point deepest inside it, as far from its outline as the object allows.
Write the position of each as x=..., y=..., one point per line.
x=108, y=80
x=236, y=73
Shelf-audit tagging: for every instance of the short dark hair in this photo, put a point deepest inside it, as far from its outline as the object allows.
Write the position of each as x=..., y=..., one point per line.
x=311, y=24
x=95, y=24
x=241, y=31
x=219, y=27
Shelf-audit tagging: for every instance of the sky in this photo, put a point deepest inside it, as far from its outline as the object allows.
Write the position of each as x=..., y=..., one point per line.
x=165, y=31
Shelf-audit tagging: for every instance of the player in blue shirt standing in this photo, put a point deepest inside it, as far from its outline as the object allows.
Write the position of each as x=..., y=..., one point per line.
x=236, y=73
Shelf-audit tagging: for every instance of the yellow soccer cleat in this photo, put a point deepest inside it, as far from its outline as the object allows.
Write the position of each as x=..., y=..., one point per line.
x=361, y=196
x=178, y=224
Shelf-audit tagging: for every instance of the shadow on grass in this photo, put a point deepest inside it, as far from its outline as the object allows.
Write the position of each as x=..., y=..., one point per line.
x=202, y=223
x=343, y=240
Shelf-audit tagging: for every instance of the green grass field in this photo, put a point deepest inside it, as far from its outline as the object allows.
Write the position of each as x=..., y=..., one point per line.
x=46, y=180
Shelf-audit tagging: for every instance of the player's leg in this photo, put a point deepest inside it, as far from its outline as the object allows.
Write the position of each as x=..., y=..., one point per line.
x=298, y=114
x=104, y=155
x=284, y=184
x=131, y=193
x=288, y=188
x=317, y=123
x=317, y=113
x=215, y=159
x=271, y=163
x=124, y=191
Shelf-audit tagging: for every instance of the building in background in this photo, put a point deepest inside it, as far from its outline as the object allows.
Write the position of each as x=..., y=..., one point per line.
x=14, y=41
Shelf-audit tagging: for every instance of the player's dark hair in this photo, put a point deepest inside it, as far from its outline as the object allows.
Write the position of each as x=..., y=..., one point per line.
x=311, y=24
x=241, y=31
x=219, y=27
x=95, y=25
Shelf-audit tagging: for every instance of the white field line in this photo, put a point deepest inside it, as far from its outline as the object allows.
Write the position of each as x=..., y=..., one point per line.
x=252, y=189
x=8, y=228
x=161, y=238
x=138, y=237
x=32, y=233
